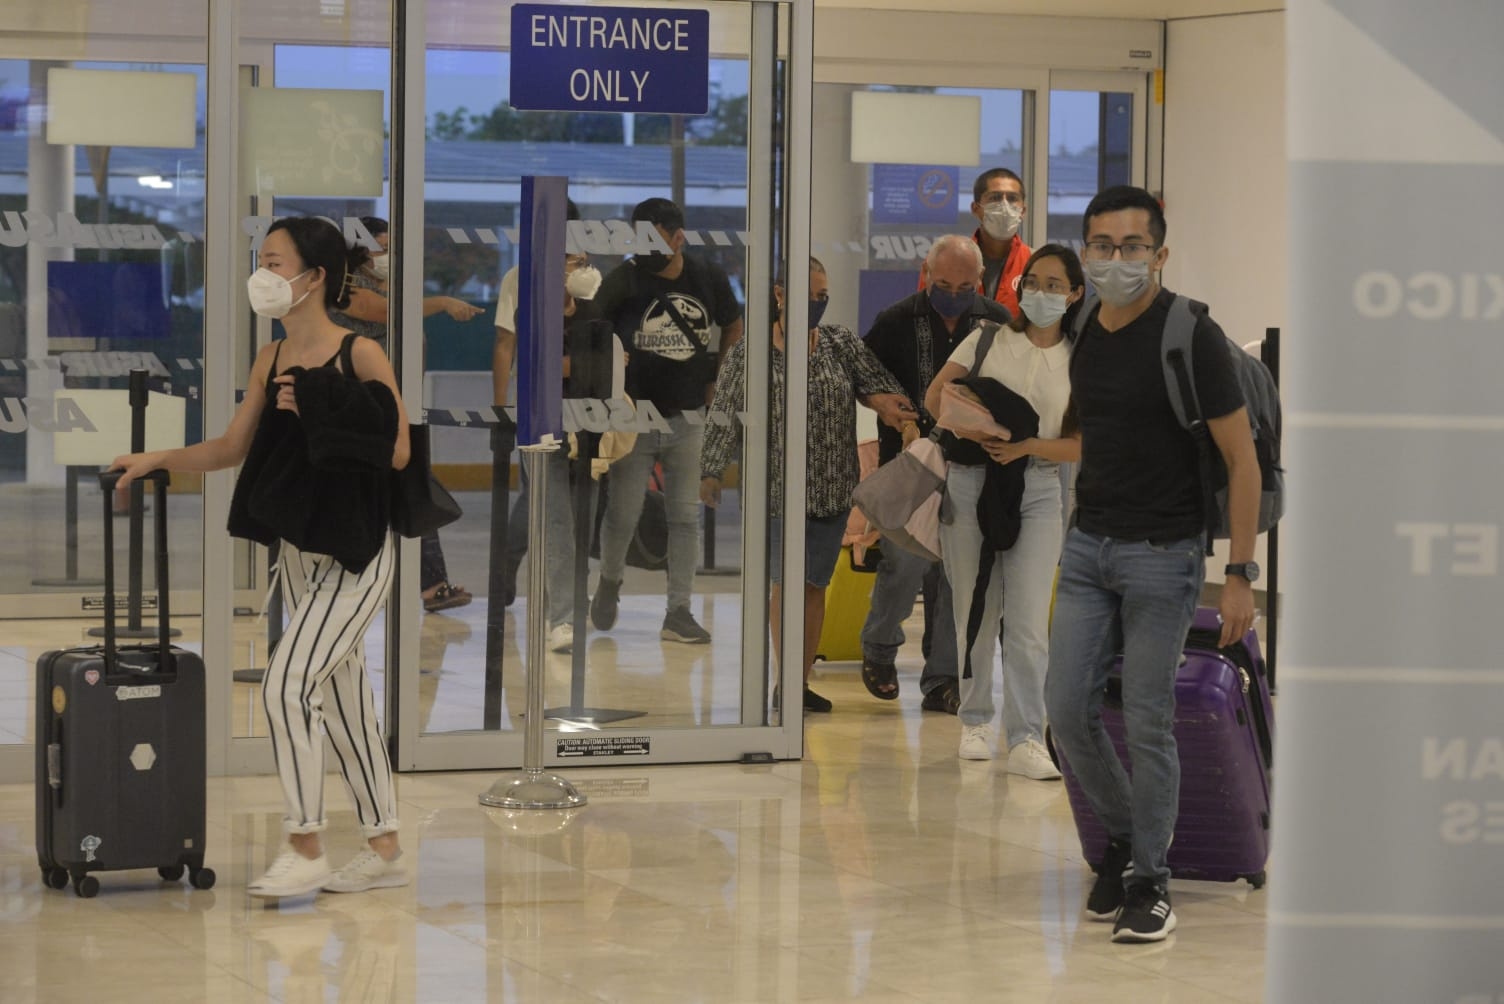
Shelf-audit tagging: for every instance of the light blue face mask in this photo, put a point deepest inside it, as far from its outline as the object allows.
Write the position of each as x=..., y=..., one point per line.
x=1118, y=282
x=1042, y=309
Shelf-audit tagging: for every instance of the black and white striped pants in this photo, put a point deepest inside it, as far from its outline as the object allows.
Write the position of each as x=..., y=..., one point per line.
x=317, y=676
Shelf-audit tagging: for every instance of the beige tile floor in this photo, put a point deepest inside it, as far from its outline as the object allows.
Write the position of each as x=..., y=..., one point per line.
x=880, y=868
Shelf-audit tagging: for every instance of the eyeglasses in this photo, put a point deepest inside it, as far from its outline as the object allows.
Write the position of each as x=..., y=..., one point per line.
x=1104, y=250
x=1031, y=284
x=993, y=198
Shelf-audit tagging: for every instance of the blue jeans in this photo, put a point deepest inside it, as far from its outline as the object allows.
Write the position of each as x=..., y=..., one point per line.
x=1143, y=595
x=1019, y=592
x=678, y=450
x=561, y=534
x=900, y=577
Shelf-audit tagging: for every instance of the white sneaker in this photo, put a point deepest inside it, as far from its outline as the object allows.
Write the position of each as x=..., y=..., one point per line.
x=291, y=875
x=976, y=742
x=368, y=870
x=1030, y=759
x=561, y=638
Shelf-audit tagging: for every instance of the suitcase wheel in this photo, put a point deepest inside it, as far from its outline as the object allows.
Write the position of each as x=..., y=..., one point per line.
x=54, y=877
x=87, y=886
x=201, y=878
x=171, y=873
x=1256, y=880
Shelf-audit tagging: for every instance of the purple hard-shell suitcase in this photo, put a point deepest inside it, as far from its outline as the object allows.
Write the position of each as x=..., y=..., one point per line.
x=1224, y=733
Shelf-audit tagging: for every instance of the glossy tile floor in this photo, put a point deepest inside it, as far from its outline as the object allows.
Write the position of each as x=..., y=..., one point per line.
x=880, y=868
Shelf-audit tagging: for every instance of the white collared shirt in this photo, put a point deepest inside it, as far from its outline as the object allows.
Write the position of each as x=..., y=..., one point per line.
x=1040, y=376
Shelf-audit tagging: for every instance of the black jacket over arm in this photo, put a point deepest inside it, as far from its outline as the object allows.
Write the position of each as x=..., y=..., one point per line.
x=322, y=482
x=999, y=508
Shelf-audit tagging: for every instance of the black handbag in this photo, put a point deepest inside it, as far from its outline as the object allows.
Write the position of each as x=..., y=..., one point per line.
x=420, y=505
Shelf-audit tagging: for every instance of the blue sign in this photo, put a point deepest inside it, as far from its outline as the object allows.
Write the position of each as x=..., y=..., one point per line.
x=610, y=59
x=914, y=193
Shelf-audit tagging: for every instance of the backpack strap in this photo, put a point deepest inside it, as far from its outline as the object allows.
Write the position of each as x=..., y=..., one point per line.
x=1175, y=353
x=1178, y=361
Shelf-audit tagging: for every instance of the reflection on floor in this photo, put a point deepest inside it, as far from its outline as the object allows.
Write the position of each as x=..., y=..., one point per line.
x=880, y=868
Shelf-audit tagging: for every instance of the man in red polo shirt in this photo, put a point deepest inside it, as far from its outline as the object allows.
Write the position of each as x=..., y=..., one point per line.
x=999, y=205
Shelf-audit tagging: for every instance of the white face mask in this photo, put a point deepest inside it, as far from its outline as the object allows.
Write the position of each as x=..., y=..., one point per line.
x=1118, y=282
x=1043, y=309
x=1000, y=220
x=271, y=295
x=381, y=266
x=582, y=283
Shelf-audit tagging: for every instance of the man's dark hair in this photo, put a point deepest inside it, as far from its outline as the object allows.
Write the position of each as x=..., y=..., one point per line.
x=984, y=181
x=659, y=212
x=374, y=225
x=1120, y=197
x=571, y=211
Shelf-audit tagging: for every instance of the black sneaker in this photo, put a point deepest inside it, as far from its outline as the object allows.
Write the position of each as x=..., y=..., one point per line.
x=814, y=702
x=1106, y=897
x=679, y=625
x=603, y=604
x=1146, y=914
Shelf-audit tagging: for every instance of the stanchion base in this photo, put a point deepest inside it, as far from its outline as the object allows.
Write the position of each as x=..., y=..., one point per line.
x=532, y=789
x=125, y=632
x=591, y=716
x=248, y=675
x=62, y=582
x=718, y=570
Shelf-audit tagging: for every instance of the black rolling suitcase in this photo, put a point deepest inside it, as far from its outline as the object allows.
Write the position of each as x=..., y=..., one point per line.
x=120, y=746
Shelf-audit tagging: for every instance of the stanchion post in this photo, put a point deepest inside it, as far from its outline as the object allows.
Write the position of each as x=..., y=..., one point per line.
x=139, y=398
x=534, y=788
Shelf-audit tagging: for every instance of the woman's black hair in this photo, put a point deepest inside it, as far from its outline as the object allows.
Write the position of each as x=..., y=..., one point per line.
x=321, y=244
x=1073, y=272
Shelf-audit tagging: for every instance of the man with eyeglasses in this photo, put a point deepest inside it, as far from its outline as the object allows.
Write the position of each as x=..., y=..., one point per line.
x=1132, y=567
x=913, y=339
x=999, y=205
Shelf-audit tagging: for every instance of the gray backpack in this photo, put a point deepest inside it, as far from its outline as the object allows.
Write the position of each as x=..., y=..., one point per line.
x=1261, y=395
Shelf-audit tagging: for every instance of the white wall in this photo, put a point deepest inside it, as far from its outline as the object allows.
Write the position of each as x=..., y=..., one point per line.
x=1224, y=176
x=1224, y=168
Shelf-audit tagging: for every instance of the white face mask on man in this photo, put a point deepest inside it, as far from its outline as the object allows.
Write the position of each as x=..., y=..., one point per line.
x=1000, y=220
x=381, y=266
x=583, y=282
x=271, y=295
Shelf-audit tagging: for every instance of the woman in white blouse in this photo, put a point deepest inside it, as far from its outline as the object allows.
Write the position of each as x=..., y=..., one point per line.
x=1031, y=357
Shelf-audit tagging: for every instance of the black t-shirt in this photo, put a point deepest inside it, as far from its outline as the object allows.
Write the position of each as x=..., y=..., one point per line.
x=893, y=340
x=577, y=326
x=664, y=366
x=1138, y=477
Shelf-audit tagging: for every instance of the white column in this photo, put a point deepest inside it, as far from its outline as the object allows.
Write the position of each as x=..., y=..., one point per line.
x=1386, y=881
x=49, y=191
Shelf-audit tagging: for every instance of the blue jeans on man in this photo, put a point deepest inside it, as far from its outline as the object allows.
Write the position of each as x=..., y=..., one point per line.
x=900, y=578
x=678, y=451
x=1137, y=598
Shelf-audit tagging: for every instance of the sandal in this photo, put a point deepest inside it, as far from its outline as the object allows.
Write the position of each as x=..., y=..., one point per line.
x=446, y=597
x=881, y=679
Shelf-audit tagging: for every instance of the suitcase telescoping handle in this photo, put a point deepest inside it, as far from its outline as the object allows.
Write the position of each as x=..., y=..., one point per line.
x=107, y=481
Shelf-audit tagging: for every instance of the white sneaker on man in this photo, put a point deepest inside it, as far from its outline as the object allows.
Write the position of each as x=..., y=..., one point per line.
x=1030, y=759
x=368, y=870
x=291, y=875
x=561, y=638
x=976, y=742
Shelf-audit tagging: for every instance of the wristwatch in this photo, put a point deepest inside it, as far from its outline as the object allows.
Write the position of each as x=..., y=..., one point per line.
x=1248, y=570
